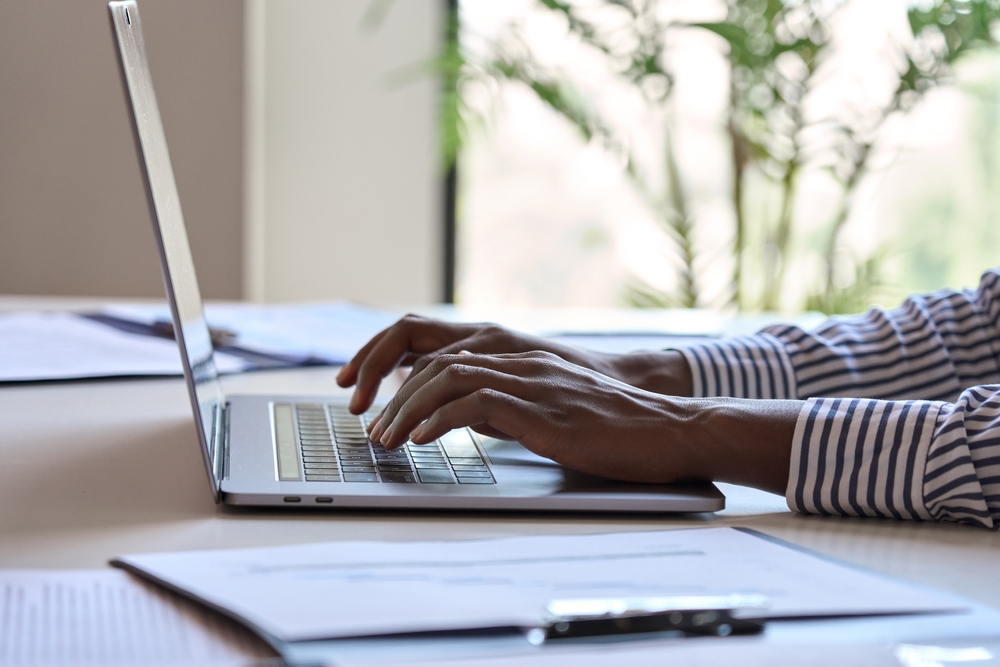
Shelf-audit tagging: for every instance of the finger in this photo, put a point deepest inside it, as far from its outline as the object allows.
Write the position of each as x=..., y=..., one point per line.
x=484, y=341
x=348, y=374
x=409, y=335
x=484, y=408
x=372, y=424
x=453, y=382
x=524, y=364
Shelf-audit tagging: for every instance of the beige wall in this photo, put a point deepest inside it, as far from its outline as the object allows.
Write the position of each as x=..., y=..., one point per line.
x=73, y=217
x=344, y=187
x=339, y=196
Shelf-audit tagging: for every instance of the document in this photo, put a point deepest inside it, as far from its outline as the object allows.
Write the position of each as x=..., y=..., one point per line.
x=701, y=652
x=324, y=332
x=345, y=589
x=61, y=346
x=107, y=617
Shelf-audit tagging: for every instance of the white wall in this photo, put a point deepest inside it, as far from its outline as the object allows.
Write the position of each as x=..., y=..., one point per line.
x=342, y=184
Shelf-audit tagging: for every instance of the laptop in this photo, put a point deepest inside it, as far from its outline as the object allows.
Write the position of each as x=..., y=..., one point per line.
x=310, y=451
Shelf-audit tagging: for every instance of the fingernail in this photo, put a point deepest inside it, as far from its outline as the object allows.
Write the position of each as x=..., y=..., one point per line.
x=417, y=432
x=385, y=436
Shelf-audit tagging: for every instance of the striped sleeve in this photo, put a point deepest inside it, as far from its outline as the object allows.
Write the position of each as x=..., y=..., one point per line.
x=932, y=347
x=882, y=454
x=899, y=459
x=903, y=412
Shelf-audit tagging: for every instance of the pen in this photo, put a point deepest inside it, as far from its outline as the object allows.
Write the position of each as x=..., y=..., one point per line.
x=716, y=615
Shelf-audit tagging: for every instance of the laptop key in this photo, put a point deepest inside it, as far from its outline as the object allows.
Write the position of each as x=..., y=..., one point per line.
x=462, y=474
x=399, y=477
x=322, y=478
x=421, y=465
x=475, y=480
x=435, y=477
x=360, y=477
x=319, y=459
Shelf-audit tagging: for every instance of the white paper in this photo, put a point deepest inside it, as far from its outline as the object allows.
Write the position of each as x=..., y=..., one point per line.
x=58, y=346
x=714, y=652
x=332, y=332
x=107, y=617
x=698, y=652
x=343, y=589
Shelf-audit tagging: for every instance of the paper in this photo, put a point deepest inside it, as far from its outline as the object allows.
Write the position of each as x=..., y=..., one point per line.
x=107, y=617
x=687, y=652
x=347, y=589
x=327, y=332
x=58, y=346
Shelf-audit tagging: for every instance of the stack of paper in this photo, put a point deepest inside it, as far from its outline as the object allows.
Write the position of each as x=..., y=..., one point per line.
x=59, y=346
x=328, y=333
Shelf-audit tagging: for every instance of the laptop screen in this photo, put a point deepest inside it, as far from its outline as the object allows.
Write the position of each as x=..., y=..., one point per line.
x=179, y=277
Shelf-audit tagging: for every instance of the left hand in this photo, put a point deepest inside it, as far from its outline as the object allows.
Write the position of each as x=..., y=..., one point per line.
x=578, y=417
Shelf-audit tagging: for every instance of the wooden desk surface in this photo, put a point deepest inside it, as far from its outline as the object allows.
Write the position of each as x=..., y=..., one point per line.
x=93, y=469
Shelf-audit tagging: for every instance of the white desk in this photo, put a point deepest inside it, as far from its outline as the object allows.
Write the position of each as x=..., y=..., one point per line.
x=93, y=469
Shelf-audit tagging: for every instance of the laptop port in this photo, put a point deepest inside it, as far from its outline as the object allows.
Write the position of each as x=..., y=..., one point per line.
x=324, y=500
x=292, y=499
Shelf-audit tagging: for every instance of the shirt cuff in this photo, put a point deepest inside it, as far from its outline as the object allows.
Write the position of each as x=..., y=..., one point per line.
x=862, y=457
x=745, y=367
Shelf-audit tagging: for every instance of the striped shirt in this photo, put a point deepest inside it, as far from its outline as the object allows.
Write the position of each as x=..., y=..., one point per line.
x=902, y=412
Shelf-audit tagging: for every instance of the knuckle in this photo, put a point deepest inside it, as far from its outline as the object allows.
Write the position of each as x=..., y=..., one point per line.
x=486, y=395
x=458, y=372
x=409, y=321
x=440, y=363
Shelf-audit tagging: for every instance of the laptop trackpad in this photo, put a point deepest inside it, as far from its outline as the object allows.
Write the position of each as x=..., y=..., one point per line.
x=545, y=476
x=509, y=453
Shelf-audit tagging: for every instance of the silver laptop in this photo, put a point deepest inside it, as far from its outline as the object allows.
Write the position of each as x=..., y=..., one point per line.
x=309, y=451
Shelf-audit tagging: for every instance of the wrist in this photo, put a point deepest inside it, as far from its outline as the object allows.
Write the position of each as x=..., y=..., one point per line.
x=742, y=441
x=665, y=372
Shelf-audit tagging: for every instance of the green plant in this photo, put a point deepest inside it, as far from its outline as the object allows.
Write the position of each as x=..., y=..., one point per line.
x=775, y=49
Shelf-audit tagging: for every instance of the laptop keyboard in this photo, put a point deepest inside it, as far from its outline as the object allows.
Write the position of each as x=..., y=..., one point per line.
x=335, y=447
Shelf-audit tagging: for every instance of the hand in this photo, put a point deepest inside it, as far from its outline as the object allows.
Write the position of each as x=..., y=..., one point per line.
x=416, y=341
x=592, y=423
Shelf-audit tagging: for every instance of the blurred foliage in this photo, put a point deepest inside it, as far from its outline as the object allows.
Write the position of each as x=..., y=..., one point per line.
x=775, y=49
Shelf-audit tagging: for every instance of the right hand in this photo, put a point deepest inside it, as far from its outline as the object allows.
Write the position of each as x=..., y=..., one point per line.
x=416, y=341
